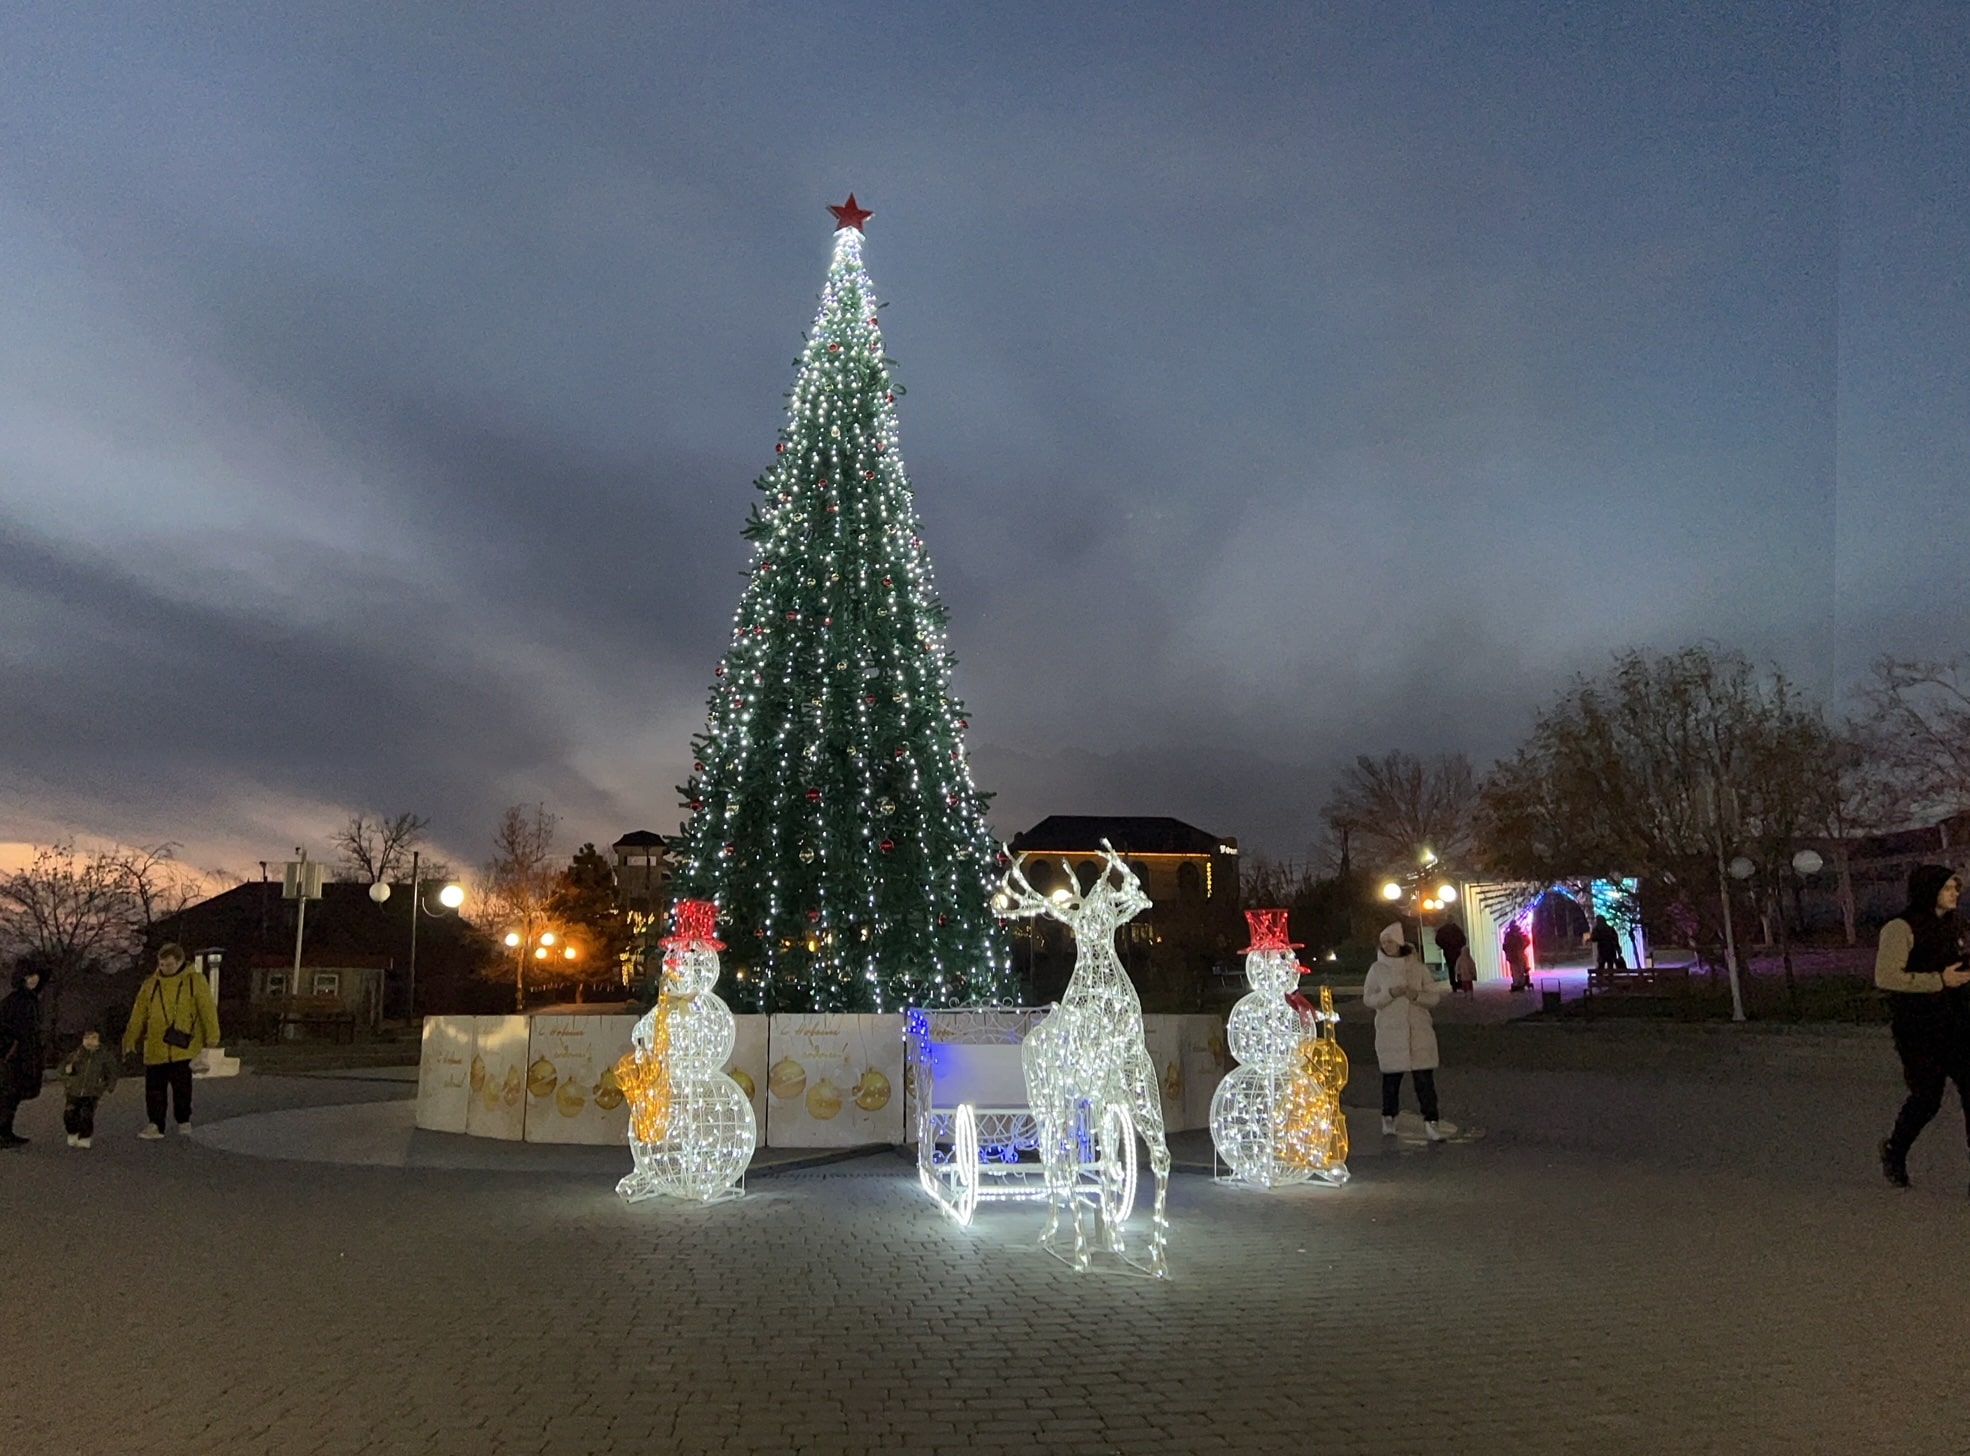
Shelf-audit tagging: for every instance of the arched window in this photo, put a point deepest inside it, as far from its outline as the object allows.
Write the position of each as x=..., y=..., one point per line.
x=1041, y=874
x=1141, y=873
x=1190, y=883
x=1088, y=871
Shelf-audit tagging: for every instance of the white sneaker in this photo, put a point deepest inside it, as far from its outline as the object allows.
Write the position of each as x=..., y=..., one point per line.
x=82, y=1142
x=185, y=1124
x=72, y=1139
x=151, y=1133
x=1388, y=1127
x=1438, y=1132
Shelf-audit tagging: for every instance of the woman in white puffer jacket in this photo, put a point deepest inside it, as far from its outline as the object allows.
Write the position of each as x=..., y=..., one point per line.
x=1400, y=991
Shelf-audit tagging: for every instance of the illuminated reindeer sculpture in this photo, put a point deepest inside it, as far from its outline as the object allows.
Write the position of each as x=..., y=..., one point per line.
x=1088, y=1073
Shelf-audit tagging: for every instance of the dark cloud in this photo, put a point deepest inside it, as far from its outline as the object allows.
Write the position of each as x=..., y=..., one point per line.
x=380, y=391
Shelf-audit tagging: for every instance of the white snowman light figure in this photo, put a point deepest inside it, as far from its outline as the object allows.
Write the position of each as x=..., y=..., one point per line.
x=691, y=1129
x=1250, y=1109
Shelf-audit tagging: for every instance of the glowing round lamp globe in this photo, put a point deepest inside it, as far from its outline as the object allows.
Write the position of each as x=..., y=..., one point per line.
x=379, y=892
x=1391, y=891
x=451, y=896
x=1807, y=862
x=513, y=937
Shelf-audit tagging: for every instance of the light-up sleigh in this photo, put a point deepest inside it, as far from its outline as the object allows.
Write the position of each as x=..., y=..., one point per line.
x=977, y=1138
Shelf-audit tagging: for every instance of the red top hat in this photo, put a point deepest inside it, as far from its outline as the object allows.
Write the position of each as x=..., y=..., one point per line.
x=697, y=924
x=1268, y=931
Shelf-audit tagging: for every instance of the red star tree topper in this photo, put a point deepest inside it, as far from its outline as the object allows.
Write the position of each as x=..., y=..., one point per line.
x=848, y=215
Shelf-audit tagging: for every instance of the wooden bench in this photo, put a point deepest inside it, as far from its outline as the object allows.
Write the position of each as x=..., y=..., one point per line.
x=314, y=1014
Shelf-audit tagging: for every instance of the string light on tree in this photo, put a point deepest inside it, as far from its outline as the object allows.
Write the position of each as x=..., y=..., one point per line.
x=834, y=819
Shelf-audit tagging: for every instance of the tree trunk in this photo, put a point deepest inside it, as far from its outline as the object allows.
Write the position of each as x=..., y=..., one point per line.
x=1846, y=891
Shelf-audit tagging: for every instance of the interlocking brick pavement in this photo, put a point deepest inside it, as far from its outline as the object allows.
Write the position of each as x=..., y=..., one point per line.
x=1669, y=1241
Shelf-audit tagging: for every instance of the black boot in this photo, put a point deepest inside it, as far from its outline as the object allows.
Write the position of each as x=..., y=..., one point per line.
x=1894, y=1165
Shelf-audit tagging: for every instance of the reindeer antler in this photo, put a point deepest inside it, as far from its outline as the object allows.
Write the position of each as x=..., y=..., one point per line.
x=1025, y=901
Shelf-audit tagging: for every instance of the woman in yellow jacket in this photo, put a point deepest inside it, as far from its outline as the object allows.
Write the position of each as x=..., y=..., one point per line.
x=173, y=1021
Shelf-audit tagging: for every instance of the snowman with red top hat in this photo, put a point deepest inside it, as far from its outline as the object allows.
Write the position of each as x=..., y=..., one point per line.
x=691, y=1129
x=1249, y=1109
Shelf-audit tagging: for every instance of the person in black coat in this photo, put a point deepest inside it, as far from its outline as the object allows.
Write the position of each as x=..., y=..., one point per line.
x=1918, y=964
x=1607, y=945
x=1451, y=940
x=20, y=1050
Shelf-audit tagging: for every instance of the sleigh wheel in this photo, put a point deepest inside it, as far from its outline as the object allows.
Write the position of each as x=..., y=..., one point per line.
x=1118, y=1165
x=964, y=1164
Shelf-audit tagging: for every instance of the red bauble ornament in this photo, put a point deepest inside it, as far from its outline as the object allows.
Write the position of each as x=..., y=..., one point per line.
x=868, y=475
x=827, y=621
x=812, y=916
x=870, y=699
x=822, y=483
x=952, y=800
x=759, y=931
x=834, y=348
x=726, y=849
x=887, y=582
x=697, y=805
x=813, y=796
x=780, y=447
x=697, y=768
x=943, y=920
x=963, y=724
x=901, y=749
x=889, y=399
x=848, y=215
x=793, y=616
x=874, y=322
x=718, y=671
x=888, y=845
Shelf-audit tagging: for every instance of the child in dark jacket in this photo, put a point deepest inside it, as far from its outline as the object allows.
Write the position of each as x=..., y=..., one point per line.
x=88, y=1076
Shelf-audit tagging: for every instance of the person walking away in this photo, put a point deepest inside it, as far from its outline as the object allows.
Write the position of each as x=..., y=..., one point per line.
x=1400, y=991
x=1515, y=944
x=173, y=1020
x=20, y=1050
x=1451, y=940
x=1918, y=966
x=88, y=1076
x=1607, y=945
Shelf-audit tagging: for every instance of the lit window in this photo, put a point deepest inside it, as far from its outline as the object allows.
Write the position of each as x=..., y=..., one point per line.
x=328, y=983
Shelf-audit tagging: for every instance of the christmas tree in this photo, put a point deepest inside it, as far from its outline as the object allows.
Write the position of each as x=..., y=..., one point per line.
x=833, y=816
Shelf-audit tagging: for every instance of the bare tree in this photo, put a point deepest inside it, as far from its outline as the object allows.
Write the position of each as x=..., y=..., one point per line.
x=1397, y=807
x=374, y=848
x=1917, y=726
x=1664, y=769
x=520, y=879
x=71, y=912
x=1870, y=796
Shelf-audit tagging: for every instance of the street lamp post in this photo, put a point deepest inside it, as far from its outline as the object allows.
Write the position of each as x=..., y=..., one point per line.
x=450, y=898
x=543, y=947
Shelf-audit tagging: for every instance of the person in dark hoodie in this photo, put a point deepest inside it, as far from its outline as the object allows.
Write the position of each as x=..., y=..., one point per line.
x=20, y=1050
x=1918, y=965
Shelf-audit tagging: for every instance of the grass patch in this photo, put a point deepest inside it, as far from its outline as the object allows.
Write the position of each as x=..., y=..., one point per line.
x=1818, y=999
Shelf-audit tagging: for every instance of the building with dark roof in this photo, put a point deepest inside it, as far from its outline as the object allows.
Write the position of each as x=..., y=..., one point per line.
x=1172, y=948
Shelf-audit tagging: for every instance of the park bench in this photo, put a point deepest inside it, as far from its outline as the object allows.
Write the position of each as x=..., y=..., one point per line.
x=1648, y=980
x=315, y=1016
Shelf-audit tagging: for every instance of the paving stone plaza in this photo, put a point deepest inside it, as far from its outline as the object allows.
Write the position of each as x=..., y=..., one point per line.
x=1669, y=1239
